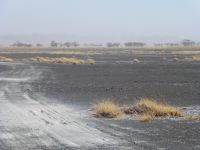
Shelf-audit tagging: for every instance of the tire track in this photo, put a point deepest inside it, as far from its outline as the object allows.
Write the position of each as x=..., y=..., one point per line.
x=27, y=123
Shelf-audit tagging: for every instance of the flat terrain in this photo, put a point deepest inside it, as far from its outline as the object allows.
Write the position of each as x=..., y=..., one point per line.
x=47, y=106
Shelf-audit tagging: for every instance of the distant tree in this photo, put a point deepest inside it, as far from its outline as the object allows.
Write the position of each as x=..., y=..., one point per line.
x=95, y=45
x=67, y=44
x=60, y=45
x=54, y=44
x=109, y=44
x=75, y=44
x=171, y=44
x=27, y=45
x=19, y=44
x=158, y=44
x=187, y=42
x=116, y=44
x=39, y=45
x=132, y=44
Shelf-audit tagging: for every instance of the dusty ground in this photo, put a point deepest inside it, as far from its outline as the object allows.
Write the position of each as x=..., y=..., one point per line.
x=46, y=106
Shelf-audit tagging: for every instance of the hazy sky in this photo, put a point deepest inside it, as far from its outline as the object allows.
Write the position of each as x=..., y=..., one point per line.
x=99, y=20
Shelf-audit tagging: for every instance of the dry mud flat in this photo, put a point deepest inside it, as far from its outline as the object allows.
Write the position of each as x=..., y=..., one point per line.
x=46, y=106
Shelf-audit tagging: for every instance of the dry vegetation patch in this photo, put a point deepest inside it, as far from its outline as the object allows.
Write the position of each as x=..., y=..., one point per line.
x=106, y=108
x=136, y=60
x=192, y=118
x=91, y=61
x=150, y=106
x=148, y=109
x=63, y=60
x=145, y=110
x=146, y=117
x=196, y=57
x=6, y=59
x=176, y=59
x=192, y=58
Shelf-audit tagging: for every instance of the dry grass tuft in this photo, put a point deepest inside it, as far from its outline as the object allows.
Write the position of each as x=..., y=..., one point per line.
x=196, y=57
x=136, y=60
x=146, y=117
x=6, y=59
x=106, y=108
x=91, y=61
x=149, y=106
x=175, y=59
x=145, y=110
x=148, y=109
x=192, y=118
x=63, y=60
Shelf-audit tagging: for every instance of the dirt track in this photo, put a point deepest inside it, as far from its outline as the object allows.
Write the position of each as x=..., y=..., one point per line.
x=29, y=123
x=47, y=106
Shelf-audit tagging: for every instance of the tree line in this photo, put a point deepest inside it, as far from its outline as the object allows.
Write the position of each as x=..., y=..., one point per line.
x=55, y=44
x=185, y=42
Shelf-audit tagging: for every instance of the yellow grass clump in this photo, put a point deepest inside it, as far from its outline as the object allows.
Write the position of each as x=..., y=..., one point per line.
x=6, y=59
x=63, y=60
x=91, y=61
x=106, y=108
x=175, y=59
x=136, y=60
x=196, y=57
x=192, y=118
x=146, y=117
x=149, y=106
x=147, y=109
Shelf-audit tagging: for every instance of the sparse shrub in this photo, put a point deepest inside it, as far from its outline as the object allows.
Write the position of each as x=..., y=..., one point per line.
x=6, y=59
x=91, y=61
x=192, y=118
x=148, y=109
x=150, y=106
x=146, y=117
x=106, y=108
x=175, y=59
x=136, y=60
x=145, y=110
x=63, y=60
x=196, y=57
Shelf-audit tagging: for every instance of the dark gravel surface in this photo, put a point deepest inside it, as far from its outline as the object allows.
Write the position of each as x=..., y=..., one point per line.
x=175, y=83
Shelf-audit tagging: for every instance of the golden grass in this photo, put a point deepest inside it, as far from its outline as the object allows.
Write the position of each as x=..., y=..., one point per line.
x=91, y=61
x=150, y=106
x=6, y=59
x=63, y=60
x=192, y=58
x=106, y=108
x=136, y=60
x=146, y=117
x=175, y=59
x=185, y=52
x=196, y=57
x=192, y=118
x=147, y=109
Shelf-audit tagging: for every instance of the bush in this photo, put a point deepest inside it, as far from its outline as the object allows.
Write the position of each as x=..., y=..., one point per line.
x=136, y=60
x=106, y=108
x=6, y=59
x=63, y=60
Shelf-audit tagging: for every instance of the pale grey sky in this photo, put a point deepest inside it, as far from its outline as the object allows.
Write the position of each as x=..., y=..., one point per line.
x=99, y=20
